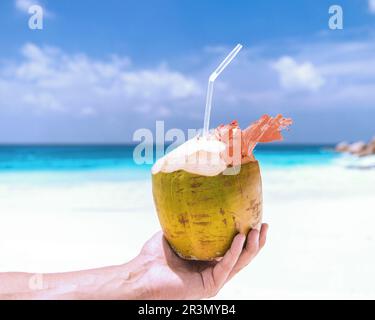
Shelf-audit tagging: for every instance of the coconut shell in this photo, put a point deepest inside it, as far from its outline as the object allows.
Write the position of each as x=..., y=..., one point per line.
x=200, y=215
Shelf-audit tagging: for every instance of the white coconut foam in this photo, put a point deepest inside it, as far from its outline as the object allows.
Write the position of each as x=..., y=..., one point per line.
x=200, y=155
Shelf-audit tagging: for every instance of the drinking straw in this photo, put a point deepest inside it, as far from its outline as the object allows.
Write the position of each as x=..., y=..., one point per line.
x=211, y=79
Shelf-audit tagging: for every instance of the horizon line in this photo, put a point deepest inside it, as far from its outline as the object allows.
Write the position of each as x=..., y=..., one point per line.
x=62, y=144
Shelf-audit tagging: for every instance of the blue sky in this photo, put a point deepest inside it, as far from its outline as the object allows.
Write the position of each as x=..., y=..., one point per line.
x=100, y=70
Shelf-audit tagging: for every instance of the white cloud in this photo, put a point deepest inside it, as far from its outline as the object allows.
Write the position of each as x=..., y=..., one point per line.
x=43, y=101
x=75, y=95
x=50, y=80
x=371, y=6
x=24, y=5
x=151, y=83
x=320, y=76
x=87, y=111
x=296, y=76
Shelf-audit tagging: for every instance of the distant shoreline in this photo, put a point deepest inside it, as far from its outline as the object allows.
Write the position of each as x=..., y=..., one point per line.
x=259, y=146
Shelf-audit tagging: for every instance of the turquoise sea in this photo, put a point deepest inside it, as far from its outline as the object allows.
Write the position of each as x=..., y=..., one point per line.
x=90, y=163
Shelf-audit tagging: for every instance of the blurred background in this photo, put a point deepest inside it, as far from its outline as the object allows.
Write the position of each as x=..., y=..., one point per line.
x=73, y=93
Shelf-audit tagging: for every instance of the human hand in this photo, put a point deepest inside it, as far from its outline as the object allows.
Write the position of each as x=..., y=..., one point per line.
x=156, y=273
x=171, y=277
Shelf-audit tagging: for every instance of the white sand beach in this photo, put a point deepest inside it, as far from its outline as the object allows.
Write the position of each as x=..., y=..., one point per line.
x=321, y=241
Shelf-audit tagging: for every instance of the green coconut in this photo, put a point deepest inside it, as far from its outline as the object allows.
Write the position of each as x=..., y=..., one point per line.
x=200, y=215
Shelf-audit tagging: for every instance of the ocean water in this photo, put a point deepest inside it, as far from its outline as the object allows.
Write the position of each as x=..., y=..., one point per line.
x=87, y=163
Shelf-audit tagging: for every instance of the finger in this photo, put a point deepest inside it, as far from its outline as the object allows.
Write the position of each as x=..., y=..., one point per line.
x=263, y=235
x=251, y=249
x=248, y=253
x=223, y=268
